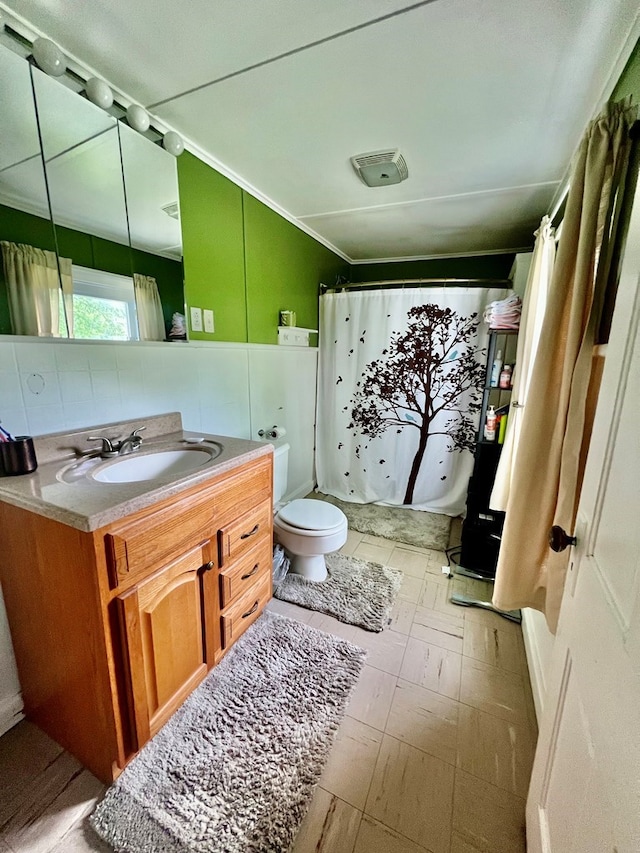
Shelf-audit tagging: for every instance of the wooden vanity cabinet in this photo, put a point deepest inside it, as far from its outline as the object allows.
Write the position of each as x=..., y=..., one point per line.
x=113, y=629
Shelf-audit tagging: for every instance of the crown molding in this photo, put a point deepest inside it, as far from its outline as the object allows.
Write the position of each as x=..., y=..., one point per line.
x=509, y=251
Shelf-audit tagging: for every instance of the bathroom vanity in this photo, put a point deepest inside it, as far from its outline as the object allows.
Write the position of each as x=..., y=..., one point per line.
x=122, y=597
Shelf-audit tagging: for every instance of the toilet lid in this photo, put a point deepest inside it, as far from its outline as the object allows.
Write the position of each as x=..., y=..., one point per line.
x=311, y=515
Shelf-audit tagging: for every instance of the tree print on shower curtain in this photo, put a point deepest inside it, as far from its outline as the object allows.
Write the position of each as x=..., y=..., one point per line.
x=427, y=379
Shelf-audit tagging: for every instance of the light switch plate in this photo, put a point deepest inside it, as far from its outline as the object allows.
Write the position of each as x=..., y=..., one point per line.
x=196, y=319
x=208, y=321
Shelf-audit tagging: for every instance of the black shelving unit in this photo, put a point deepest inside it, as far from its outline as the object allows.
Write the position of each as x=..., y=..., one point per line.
x=482, y=527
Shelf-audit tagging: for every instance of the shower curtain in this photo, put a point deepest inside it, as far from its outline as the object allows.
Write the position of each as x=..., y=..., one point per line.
x=400, y=379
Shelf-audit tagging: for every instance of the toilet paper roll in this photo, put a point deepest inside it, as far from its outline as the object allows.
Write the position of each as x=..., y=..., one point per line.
x=277, y=432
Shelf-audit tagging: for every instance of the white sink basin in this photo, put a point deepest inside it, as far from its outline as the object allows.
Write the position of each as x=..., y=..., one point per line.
x=154, y=466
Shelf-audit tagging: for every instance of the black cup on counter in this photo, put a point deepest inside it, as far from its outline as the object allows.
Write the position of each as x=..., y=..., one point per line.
x=18, y=456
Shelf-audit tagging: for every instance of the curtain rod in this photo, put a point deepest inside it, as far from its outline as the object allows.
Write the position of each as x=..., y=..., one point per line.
x=400, y=282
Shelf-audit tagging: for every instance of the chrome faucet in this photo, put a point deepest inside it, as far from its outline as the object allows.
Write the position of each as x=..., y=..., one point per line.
x=114, y=447
x=108, y=449
x=131, y=442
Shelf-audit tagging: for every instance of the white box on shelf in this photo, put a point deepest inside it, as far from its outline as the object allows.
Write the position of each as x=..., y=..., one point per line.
x=294, y=336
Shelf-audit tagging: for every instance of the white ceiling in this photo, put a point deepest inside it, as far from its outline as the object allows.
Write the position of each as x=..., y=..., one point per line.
x=486, y=99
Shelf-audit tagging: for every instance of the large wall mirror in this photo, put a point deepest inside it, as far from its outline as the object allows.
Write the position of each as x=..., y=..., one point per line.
x=89, y=218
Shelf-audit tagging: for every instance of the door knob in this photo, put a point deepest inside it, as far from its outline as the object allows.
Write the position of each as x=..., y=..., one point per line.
x=559, y=539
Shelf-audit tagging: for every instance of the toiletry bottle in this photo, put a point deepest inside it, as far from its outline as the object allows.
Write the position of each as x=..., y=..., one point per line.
x=505, y=377
x=502, y=429
x=490, y=424
x=495, y=370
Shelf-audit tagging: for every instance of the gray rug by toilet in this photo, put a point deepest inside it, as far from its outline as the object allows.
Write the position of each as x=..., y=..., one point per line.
x=356, y=592
x=234, y=769
x=399, y=523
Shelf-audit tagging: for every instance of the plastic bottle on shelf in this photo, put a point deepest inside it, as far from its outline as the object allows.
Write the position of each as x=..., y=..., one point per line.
x=502, y=429
x=490, y=424
x=505, y=377
x=495, y=370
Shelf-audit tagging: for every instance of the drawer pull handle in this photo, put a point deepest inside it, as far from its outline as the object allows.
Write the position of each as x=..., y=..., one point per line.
x=250, y=612
x=251, y=532
x=208, y=566
x=251, y=573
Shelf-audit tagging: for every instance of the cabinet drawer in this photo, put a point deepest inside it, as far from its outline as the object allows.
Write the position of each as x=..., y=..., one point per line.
x=146, y=544
x=244, y=573
x=244, y=533
x=243, y=490
x=245, y=611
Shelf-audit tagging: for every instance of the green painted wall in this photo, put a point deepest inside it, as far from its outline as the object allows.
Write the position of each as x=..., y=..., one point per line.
x=485, y=266
x=244, y=261
x=213, y=248
x=284, y=267
x=88, y=251
x=629, y=82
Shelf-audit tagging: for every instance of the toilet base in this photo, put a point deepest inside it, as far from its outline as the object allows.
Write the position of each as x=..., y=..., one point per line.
x=312, y=568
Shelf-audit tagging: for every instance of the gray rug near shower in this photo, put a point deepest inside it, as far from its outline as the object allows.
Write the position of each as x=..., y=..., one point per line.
x=356, y=592
x=234, y=769
x=410, y=526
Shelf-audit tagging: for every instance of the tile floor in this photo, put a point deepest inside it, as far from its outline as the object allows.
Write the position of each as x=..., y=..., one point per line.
x=434, y=754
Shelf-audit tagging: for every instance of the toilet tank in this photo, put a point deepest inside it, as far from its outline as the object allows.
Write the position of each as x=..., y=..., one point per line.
x=280, y=471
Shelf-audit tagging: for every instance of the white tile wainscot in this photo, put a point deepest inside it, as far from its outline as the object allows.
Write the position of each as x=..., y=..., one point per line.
x=222, y=388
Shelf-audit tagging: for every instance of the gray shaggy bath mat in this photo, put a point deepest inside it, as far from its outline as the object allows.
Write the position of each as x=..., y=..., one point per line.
x=356, y=592
x=399, y=523
x=234, y=769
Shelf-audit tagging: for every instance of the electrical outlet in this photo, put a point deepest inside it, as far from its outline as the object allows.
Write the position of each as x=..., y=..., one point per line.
x=208, y=321
x=196, y=319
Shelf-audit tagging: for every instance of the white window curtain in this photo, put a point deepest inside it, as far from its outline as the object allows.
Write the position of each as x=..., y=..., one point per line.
x=149, y=308
x=34, y=288
x=545, y=486
x=534, y=305
x=400, y=375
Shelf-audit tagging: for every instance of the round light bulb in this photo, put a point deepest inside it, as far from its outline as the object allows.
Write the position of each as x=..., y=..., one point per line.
x=173, y=143
x=138, y=118
x=99, y=93
x=49, y=57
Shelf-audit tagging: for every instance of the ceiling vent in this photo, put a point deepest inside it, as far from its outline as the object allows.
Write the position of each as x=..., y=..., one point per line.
x=379, y=168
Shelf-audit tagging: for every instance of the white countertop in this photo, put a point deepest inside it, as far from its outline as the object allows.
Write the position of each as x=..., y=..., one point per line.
x=88, y=505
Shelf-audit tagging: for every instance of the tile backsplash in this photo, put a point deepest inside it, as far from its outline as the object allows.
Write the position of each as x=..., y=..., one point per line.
x=228, y=389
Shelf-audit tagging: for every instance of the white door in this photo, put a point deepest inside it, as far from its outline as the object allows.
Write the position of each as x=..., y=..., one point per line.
x=585, y=788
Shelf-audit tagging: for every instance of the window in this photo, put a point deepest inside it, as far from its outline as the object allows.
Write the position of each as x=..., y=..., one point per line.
x=104, y=305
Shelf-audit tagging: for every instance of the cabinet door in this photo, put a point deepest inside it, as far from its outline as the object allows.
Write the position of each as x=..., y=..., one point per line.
x=162, y=622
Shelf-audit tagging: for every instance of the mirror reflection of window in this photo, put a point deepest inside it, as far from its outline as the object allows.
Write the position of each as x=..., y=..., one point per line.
x=104, y=306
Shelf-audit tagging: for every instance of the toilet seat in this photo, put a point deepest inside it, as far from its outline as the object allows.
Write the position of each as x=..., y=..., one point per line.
x=309, y=529
x=311, y=515
x=279, y=524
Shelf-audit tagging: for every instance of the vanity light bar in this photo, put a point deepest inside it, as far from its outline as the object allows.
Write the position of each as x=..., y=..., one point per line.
x=18, y=35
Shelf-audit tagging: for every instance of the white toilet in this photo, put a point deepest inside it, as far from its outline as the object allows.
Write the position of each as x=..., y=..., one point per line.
x=308, y=529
